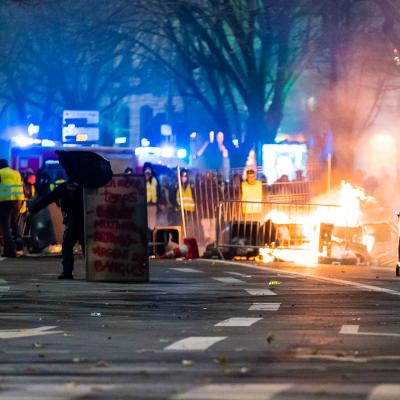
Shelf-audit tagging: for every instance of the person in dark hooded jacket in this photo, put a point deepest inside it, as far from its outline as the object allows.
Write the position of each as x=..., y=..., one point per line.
x=69, y=196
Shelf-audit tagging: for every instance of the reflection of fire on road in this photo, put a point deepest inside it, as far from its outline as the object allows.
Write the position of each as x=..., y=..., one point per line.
x=337, y=228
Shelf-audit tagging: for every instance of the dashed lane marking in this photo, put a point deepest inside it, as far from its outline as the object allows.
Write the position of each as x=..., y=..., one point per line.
x=260, y=292
x=341, y=282
x=52, y=391
x=349, y=329
x=385, y=392
x=197, y=343
x=228, y=280
x=20, y=333
x=42, y=351
x=238, y=274
x=265, y=307
x=238, y=322
x=4, y=288
x=254, y=391
x=189, y=270
x=354, y=330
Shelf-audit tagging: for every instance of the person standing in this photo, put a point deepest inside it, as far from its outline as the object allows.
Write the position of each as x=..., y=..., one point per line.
x=11, y=200
x=185, y=202
x=69, y=195
x=188, y=203
x=152, y=190
x=252, y=194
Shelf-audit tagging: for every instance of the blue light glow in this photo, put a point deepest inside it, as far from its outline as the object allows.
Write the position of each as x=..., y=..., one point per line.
x=167, y=151
x=145, y=142
x=120, y=140
x=181, y=153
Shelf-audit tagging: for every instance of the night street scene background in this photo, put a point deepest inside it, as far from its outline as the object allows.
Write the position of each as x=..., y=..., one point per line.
x=199, y=199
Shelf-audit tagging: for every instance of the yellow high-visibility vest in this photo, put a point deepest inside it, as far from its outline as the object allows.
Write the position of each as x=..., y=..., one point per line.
x=187, y=198
x=11, y=187
x=252, y=193
x=151, y=188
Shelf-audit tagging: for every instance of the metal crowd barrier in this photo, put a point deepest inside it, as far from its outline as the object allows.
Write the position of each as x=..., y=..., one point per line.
x=252, y=225
x=209, y=190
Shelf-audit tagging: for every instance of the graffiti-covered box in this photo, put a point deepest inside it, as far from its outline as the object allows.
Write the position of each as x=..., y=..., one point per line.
x=116, y=231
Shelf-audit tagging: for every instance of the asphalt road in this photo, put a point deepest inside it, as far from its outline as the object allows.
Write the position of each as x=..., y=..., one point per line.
x=200, y=330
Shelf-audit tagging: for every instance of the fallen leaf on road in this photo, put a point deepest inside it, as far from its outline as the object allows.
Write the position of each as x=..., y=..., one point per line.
x=70, y=385
x=76, y=360
x=38, y=345
x=274, y=283
x=187, y=362
x=67, y=334
x=222, y=360
x=244, y=370
x=270, y=339
x=102, y=363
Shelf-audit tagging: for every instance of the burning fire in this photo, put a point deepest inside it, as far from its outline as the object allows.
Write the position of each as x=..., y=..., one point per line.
x=341, y=208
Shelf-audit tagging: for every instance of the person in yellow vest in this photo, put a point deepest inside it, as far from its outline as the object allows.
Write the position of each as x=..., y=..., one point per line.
x=252, y=194
x=11, y=200
x=187, y=193
x=28, y=180
x=152, y=195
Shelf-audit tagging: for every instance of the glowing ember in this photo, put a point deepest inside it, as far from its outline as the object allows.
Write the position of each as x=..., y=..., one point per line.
x=53, y=249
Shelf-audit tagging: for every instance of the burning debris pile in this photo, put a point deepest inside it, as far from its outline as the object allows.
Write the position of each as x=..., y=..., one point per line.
x=345, y=226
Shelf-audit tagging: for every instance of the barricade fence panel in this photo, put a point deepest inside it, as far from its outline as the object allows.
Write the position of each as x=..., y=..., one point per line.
x=209, y=189
x=249, y=226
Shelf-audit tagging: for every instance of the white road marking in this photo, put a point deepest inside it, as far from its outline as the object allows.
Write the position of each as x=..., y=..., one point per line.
x=341, y=282
x=19, y=333
x=190, y=270
x=53, y=391
x=385, y=392
x=264, y=307
x=329, y=357
x=353, y=330
x=4, y=288
x=238, y=274
x=198, y=343
x=36, y=351
x=238, y=322
x=228, y=280
x=349, y=329
x=260, y=292
x=250, y=391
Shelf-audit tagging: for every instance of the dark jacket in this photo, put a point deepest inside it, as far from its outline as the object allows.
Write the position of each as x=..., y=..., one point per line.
x=70, y=200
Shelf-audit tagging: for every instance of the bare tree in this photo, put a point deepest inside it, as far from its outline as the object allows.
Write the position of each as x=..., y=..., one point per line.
x=238, y=58
x=62, y=55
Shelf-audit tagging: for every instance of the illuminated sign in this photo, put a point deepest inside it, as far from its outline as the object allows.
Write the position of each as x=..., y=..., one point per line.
x=81, y=138
x=283, y=159
x=80, y=126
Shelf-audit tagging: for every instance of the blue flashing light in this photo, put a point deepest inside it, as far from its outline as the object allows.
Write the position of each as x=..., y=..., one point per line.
x=48, y=143
x=24, y=141
x=168, y=152
x=120, y=140
x=145, y=142
x=181, y=153
x=33, y=129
